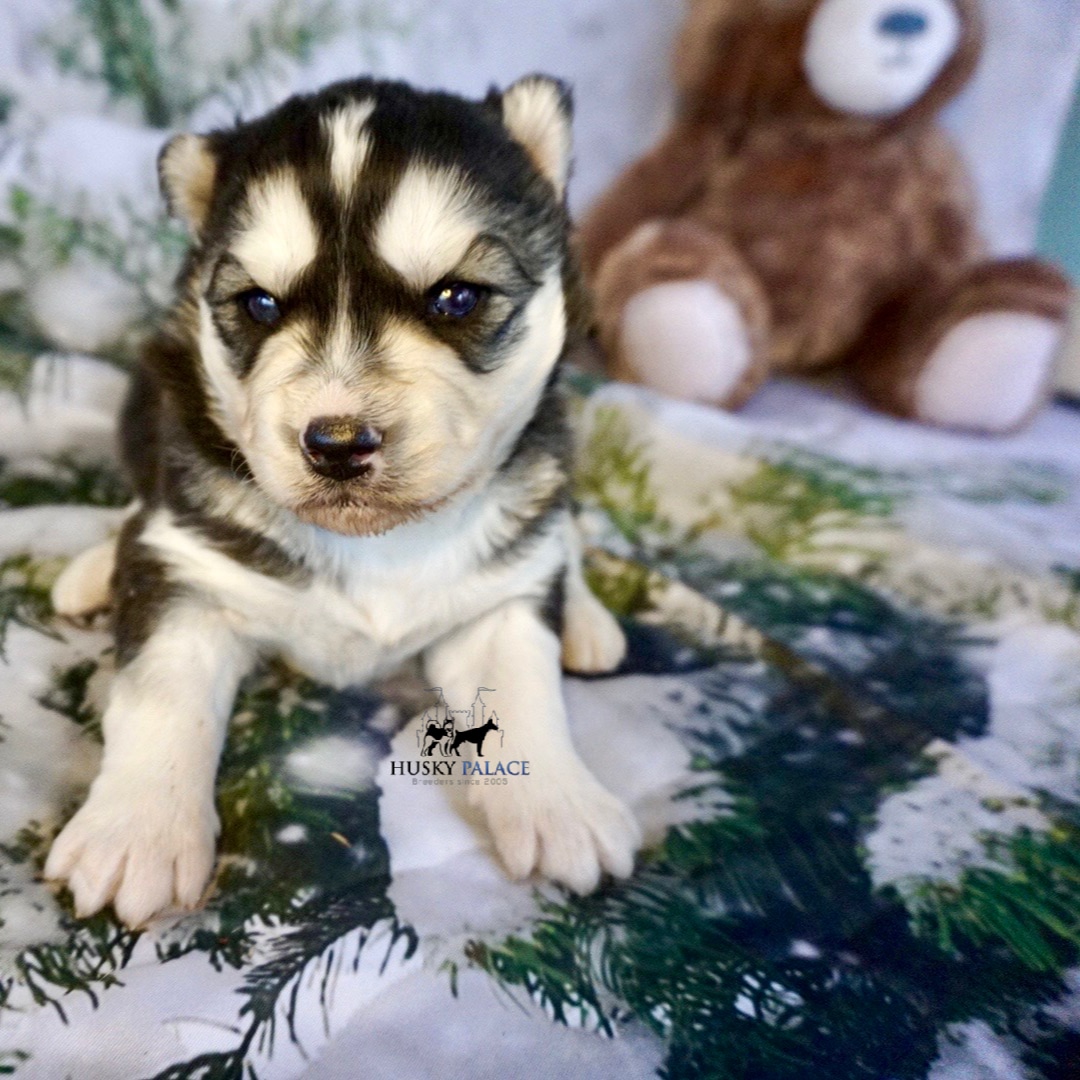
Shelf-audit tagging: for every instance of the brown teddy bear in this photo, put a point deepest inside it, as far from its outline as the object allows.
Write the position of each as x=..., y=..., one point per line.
x=805, y=210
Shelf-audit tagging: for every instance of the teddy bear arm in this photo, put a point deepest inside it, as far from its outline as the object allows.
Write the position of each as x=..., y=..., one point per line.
x=659, y=185
x=975, y=354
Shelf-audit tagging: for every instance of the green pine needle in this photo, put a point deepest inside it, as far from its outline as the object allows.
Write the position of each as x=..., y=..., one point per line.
x=1030, y=905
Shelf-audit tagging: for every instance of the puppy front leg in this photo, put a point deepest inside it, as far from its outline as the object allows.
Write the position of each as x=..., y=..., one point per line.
x=558, y=819
x=145, y=836
x=592, y=639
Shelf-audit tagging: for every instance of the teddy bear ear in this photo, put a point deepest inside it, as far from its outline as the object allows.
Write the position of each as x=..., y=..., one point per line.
x=537, y=111
x=187, y=170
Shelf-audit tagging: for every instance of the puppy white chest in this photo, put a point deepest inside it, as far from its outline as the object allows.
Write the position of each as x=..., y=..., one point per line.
x=379, y=600
x=344, y=637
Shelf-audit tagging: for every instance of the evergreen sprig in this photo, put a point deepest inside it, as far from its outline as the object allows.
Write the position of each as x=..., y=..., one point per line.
x=1027, y=901
x=805, y=504
x=10, y=1060
x=69, y=696
x=140, y=50
x=90, y=959
x=614, y=475
x=24, y=598
x=305, y=949
x=61, y=479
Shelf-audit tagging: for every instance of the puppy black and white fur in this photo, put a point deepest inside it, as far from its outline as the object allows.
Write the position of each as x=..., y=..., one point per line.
x=348, y=446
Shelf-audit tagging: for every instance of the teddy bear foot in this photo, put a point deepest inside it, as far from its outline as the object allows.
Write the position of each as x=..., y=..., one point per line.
x=989, y=372
x=686, y=339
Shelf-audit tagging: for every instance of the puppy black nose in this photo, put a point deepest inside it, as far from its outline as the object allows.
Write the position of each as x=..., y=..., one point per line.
x=904, y=23
x=339, y=447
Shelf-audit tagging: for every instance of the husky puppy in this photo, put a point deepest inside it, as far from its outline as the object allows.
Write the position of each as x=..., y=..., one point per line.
x=348, y=447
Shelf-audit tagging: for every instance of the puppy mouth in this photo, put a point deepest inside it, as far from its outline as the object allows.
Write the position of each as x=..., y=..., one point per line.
x=356, y=518
x=367, y=512
x=353, y=499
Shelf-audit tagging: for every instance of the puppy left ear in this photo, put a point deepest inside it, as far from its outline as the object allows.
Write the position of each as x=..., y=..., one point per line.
x=537, y=111
x=187, y=170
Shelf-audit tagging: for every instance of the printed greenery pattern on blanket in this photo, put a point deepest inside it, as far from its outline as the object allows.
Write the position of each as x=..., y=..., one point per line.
x=849, y=720
x=867, y=849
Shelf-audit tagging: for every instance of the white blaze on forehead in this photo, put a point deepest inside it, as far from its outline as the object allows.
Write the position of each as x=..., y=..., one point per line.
x=428, y=225
x=342, y=354
x=349, y=143
x=278, y=241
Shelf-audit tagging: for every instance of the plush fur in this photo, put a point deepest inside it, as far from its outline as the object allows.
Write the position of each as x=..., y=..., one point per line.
x=826, y=205
x=448, y=534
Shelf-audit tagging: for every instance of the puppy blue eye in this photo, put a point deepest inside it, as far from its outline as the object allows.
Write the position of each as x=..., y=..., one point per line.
x=454, y=300
x=261, y=307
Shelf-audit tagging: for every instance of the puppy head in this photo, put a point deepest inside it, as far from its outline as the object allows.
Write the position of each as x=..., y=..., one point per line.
x=376, y=289
x=859, y=60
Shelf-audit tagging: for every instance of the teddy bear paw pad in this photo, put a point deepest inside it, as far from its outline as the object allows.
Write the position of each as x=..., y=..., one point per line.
x=686, y=339
x=989, y=372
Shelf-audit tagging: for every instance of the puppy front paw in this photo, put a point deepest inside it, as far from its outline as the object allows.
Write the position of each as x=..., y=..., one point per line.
x=592, y=639
x=570, y=830
x=83, y=587
x=134, y=846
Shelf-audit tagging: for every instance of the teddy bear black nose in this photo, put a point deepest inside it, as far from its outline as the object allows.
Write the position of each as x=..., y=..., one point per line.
x=339, y=447
x=904, y=23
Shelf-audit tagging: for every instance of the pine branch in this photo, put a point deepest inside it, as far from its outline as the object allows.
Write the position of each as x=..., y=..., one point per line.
x=303, y=949
x=68, y=696
x=129, y=54
x=10, y=1060
x=20, y=344
x=615, y=476
x=24, y=598
x=787, y=506
x=1029, y=903
x=141, y=51
x=61, y=479
x=89, y=960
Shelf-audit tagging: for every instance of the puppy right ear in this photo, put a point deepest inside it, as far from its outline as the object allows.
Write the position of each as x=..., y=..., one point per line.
x=537, y=110
x=187, y=169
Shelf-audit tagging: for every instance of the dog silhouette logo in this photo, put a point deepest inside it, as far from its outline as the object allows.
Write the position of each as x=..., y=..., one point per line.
x=444, y=737
x=476, y=736
x=445, y=731
x=434, y=734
